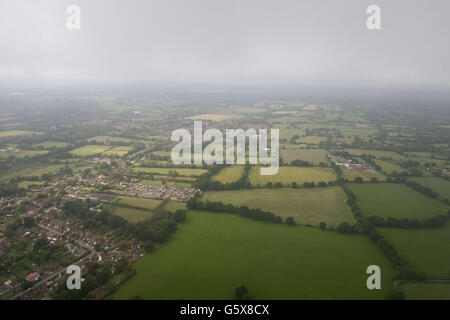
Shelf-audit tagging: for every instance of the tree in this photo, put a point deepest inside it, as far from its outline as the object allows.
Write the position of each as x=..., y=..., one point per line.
x=323, y=225
x=28, y=222
x=121, y=265
x=179, y=215
x=149, y=246
x=290, y=221
x=242, y=293
x=396, y=294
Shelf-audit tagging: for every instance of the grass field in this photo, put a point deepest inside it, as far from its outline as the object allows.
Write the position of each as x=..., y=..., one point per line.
x=131, y=214
x=174, y=206
x=181, y=171
x=350, y=175
x=389, y=167
x=140, y=202
x=179, y=184
x=427, y=250
x=272, y=261
x=307, y=206
x=215, y=117
x=12, y=133
x=119, y=151
x=229, y=174
x=426, y=290
x=89, y=150
x=286, y=175
x=51, y=144
x=25, y=184
x=32, y=171
x=436, y=184
x=312, y=140
x=395, y=200
x=108, y=139
x=314, y=156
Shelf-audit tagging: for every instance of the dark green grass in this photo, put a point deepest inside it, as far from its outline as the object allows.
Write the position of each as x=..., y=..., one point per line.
x=213, y=253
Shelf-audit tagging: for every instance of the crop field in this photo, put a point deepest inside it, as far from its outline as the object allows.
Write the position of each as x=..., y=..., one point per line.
x=273, y=261
x=131, y=214
x=108, y=139
x=436, y=184
x=350, y=175
x=305, y=205
x=395, y=200
x=173, y=206
x=426, y=290
x=229, y=174
x=119, y=151
x=377, y=153
x=180, y=184
x=389, y=167
x=286, y=175
x=215, y=117
x=427, y=250
x=140, y=202
x=32, y=171
x=51, y=144
x=89, y=150
x=314, y=156
x=188, y=172
x=312, y=140
x=12, y=133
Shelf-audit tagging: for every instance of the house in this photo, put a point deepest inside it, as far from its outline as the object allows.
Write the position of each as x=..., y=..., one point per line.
x=32, y=277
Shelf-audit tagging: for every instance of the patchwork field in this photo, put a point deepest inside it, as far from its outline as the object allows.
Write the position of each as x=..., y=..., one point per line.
x=426, y=290
x=140, y=202
x=314, y=156
x=395, y=200
x=229, y=174
x=273, y=261
x=366, y=175
x=305, y=205
x=436, y=184
x=51, y=144
x=131, y=214
x=12, y=133
x=119, y=151
x=33, y=171
x=286, y=175
x=181, y=171
x=89, y=150
x=427, y=250
x=23, y=153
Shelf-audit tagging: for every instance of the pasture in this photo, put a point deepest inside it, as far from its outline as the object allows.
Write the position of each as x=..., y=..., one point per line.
x=131, y=214
x=229, y=174
x=51, y=144
x=215, y=117
x=426, y=290
x=286, y=175
x=395, y=200
x=389, y=167
x=427, y=250
x=366, y=175
x=187, y=172
x=305, y=205
x=436, y=184
x=13, y=133
x=146, y=203
x=89, y=150
x=272, y=261
x=314, y=156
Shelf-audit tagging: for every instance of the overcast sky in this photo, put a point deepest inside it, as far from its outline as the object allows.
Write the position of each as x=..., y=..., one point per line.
x=314, y=42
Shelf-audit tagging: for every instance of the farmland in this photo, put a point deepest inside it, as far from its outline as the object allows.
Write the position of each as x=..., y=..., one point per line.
x=89, y=150
x=425, y=249
x=305, y=205
x=395, y=200
x=426, y=290
x=273, y=261
x=12, y=133
x=131, y=214
x=140, y=202
x=286, y=175
x=314, y=156
x=181, y=171
x=229, y=174
x=366, y=175
x=436, y=184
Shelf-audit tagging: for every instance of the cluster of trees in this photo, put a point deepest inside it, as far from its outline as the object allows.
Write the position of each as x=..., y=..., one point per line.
x=8, y=189
x=244, y=211
x=301, y=163
x=422, y=189
x=433, y=222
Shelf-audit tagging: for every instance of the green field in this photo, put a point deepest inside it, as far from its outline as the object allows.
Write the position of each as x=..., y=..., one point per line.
x=89, y=150
x=181, y=171
x=286, y=175
x=131, y=214
x=350, y=175
x=395, y=200
x=426, y=290
x=118, y=151
x=140, y=202
x=108, y=139
x=51, y=144
x=428, y=250
x=32, y=171
x=389, y=167
x=229, y=174
x=314, y=156
x=12, y=133
x=272, y=261
x=173, y=206
x=26, y=184
x=306, y=205
x=436, y=184
x=23, y=153
x=179, y=184
x=312, y=140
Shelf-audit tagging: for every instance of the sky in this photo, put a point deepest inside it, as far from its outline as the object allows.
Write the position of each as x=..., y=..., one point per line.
x=282, y=42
